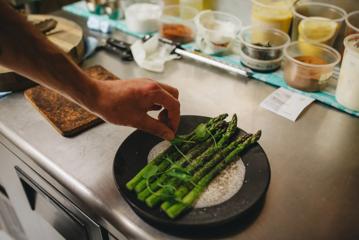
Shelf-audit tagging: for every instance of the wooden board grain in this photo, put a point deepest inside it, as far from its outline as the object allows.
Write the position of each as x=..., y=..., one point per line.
x=67, y=117
x=67, y=35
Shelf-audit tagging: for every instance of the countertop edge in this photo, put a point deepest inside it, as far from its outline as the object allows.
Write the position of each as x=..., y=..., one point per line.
x=124, y=225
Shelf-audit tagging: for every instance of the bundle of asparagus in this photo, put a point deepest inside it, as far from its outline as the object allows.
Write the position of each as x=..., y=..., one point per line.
x=177, y=177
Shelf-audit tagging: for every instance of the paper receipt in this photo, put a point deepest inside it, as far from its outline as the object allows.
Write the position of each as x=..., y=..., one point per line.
x=286, y=103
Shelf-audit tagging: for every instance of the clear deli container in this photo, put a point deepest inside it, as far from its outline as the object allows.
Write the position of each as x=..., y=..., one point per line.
x=322, y=22
x=272, y=13
x=177, y=23
x=143, y=16
x=261, y=48
x=347, y=92
x=352, y=27
x=309, y=66
x=216, y=31
x=352, y=23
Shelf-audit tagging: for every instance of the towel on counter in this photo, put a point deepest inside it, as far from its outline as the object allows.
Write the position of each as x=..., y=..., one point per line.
x=152, y=55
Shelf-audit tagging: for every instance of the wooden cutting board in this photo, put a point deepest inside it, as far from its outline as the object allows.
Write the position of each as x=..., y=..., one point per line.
x=68, y=118
x=67, y=35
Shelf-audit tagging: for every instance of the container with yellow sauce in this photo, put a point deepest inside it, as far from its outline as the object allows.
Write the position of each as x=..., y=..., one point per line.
x=198, y=4
x=208, y=4
x=317, y=22
x=272, y=13
x=317, y=30
x=170, y=2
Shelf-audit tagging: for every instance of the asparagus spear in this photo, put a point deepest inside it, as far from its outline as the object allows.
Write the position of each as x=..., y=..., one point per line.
x=185, y=159
x=184, y=189
x=218, y=128
x=156, y=197
x=192, y=196
x=201, y=160
x=139, y=176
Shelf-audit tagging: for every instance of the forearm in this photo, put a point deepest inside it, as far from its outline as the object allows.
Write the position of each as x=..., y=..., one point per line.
x=125, y=102
x=28, y=52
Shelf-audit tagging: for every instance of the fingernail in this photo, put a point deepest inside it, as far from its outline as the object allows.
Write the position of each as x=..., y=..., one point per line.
x=168, y=136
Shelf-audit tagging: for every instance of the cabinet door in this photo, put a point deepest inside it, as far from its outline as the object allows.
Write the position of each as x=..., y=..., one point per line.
x=51, y=210
x=34, y=226
x=44, y=212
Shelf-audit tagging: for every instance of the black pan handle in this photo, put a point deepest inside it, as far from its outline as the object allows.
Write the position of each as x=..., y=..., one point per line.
x=118, y=44
x=124, y=54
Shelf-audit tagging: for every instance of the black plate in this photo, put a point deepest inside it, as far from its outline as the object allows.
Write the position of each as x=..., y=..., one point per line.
x=132, y=157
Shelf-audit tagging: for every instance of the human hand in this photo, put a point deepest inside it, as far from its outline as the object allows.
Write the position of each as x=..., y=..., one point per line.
x=126, y=102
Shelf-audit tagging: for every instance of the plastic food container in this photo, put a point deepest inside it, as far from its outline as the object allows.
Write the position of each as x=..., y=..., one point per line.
x=261, y=48
x=309, y=66
x=177, y=23
x=352, y=22
x=143, y=17
x=348, y=85
x=216, y=31
x=272, y=13
x=352, y=27
x=198, y=4
x=322, y=22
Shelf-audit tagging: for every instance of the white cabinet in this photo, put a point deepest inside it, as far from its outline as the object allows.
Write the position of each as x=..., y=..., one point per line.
x=44, y=212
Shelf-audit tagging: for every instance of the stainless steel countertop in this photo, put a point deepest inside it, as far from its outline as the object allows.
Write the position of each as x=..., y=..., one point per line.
x=313, y=192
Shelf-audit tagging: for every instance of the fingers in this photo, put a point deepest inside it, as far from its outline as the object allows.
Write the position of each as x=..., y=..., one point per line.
x=163, y=117
x=156, y=127
x=171, y=104
x=173, y=91
x=155, y=107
